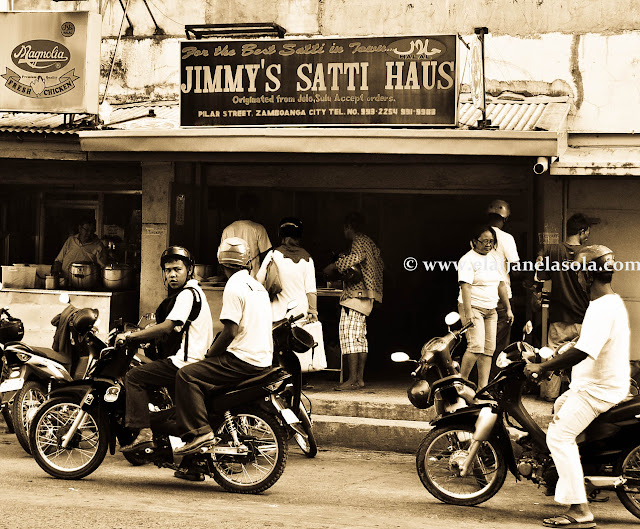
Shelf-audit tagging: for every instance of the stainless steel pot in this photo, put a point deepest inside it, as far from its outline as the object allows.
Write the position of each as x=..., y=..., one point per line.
x=83, y=275
x=118, y=277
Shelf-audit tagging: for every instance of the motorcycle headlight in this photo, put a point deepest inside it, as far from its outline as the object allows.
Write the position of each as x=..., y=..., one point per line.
x=23, y=357
x=503, y=361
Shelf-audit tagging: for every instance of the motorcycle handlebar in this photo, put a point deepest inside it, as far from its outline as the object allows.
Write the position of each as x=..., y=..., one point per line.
x=465, y=328
x=296, y=318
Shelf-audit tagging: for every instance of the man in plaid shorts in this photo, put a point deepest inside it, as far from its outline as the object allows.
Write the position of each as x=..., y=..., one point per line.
x=362, y=268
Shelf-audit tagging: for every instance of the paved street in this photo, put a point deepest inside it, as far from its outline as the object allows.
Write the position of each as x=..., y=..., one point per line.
x=339, y=488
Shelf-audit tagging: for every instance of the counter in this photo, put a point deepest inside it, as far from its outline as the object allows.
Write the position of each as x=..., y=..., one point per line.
x=36, y=308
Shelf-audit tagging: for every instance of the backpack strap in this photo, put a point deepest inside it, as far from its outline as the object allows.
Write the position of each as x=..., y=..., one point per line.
x=195, y=311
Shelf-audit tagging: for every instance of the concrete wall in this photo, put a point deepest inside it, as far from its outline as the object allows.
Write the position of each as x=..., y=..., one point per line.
x=582, y=49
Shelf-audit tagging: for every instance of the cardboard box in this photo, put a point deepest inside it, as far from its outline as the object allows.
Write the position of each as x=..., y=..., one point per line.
x=19, y=276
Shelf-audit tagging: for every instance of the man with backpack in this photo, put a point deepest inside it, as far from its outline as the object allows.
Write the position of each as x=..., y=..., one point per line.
x=183, y=331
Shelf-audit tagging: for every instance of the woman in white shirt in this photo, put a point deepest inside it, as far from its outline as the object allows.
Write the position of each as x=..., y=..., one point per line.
x=297, y=273
x=482, y=284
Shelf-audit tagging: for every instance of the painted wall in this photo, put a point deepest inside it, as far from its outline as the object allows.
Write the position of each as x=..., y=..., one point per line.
x=548, y=47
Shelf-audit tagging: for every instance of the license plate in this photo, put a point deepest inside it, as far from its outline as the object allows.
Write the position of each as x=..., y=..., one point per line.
x=11, y=384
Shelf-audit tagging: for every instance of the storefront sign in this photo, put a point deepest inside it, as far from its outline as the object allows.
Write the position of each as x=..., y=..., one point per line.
x=50, y=61
x=355, y=81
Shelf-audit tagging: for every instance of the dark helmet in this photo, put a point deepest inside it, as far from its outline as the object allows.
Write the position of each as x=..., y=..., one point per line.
x=418, y=394
x=290, y=227
x=84, y=320
x=177, y=252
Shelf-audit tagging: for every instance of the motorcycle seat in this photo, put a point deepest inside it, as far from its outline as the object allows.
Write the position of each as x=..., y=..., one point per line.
x=271, y=375
x=45, y=352
x=624, y=411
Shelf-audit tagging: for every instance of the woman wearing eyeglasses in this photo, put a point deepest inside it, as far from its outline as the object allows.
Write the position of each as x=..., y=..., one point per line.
x=481, y=279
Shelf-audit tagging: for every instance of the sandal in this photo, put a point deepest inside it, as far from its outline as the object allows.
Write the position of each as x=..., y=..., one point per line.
x=564, y=520
x=351, y=387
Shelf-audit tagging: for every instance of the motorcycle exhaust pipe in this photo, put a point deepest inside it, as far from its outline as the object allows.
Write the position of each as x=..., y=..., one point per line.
x=601, y=482
x=484, y=425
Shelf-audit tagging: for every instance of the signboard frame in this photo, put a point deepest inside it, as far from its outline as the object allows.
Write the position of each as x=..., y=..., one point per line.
x=208, y=50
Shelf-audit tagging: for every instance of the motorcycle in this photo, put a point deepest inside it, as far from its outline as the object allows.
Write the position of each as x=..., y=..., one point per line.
x=464, y=459
x=11, y=330
x=72, y=431
x=289, y=339
x=437, y=381
x=29, y=373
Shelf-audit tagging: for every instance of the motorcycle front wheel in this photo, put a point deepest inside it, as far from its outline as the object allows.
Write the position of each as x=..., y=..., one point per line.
x=262, y=466
x=629, y=468
x=25, y=404
x=307, y=443
x=440, y=458
x=86, y=449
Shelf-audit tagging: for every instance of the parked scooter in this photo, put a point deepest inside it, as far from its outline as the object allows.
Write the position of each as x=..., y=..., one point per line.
x=71, y=433
x=437, y=377
x=11, y=330
x=464, y=459
x=30, y=373
x=289, y=339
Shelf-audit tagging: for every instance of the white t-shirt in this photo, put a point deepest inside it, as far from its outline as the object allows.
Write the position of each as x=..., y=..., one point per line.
x=483, y=273
x=255, y=235
x=605, y=373
x=200, y=330
x=297, y=279
x=507, y=249
x=245, y=302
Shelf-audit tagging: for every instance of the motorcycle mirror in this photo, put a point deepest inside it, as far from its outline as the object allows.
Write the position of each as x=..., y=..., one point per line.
x=399, y=357
x=451, y=318
x=528, y=327
x=64, y=298
x=292, y=304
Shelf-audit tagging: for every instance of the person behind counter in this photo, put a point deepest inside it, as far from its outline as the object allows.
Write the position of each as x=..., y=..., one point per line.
x=82, y=247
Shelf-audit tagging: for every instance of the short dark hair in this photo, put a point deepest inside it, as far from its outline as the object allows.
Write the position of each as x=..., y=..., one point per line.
x=354, y=220
x=290, y=227
x=87, y=219
x=577, y=223
x=479, y=229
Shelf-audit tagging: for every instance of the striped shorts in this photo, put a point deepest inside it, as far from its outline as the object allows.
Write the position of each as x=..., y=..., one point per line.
x=353, y=332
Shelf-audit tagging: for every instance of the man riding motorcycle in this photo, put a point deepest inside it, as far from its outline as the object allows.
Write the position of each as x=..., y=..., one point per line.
x=244, y=348
x=599, y=381
x=185, y=328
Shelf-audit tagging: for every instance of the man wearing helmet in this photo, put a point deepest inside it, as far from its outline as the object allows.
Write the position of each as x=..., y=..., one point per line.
x=185, y=329
x=599, y=380
x=498, y=213
x=243, y=349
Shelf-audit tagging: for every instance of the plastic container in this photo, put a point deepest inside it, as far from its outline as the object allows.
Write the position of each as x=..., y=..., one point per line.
x=19, y=276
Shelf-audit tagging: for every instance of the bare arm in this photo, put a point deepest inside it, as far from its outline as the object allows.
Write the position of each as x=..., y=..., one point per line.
x=465, y=290
x=224, y=339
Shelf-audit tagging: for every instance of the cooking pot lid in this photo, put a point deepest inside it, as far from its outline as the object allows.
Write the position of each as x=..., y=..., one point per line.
x=117, y=266
x=82, y=263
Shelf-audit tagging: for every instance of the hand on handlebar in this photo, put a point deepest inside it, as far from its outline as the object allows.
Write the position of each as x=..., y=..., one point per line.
x=533, y=371
x=121, y=338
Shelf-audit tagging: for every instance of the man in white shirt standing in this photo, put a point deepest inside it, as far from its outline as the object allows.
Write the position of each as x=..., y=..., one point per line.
x=243, y=350
x=498, y=213
x=599, y=381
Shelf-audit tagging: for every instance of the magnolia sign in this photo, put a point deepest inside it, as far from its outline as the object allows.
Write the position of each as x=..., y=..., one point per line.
x=51, y=61
x=356, y=81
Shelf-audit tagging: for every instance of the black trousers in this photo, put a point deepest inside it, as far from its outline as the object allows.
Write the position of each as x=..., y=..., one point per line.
x=195, y=381
x=157, y=374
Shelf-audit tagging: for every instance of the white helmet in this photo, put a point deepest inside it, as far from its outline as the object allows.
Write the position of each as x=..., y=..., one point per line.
x=500, y=207
x=234, y=252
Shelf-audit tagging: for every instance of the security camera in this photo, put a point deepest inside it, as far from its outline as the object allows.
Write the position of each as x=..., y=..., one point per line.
x=541, y=165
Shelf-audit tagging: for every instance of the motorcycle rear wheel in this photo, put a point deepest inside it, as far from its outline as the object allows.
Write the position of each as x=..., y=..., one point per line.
x=306, y=443
x=25, y=404
x=266, y=440
x=86, y=450
x=629, y=467
x=439, y=457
